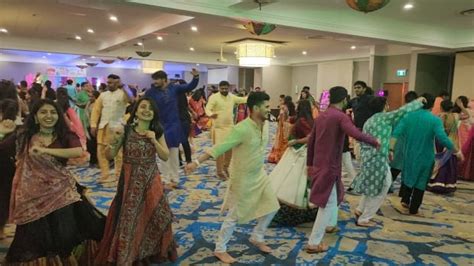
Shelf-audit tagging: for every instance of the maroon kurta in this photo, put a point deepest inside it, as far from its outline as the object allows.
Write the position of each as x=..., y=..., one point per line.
x=325, y=153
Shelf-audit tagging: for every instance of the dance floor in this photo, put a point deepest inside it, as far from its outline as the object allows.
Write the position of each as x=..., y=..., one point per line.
x=444, y=236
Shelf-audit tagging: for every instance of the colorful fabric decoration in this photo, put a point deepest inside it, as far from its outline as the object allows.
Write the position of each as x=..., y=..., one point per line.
x=367, y=5
x=258, y=28
x=92, y=64
x=124, y=58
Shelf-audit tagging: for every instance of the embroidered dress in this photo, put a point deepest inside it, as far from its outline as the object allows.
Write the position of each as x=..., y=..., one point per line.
x=370, y=179
x=281, y=136
x=52, y=217
x=138, y=228
x=467, y=171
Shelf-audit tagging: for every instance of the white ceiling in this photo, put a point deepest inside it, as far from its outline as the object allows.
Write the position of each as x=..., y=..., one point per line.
x=51, y=26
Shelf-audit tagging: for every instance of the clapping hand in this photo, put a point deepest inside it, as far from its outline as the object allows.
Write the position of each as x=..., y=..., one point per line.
x=150, y=134
x=194, y=72
x=421, y=100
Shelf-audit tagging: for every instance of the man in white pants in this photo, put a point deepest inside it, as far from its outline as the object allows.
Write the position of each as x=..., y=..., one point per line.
x=325, y=147
x=165, y=96
x=249, y=193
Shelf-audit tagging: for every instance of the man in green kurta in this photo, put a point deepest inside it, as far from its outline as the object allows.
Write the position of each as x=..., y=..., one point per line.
x=249, y=193
x=374, y=179
x=419, y=128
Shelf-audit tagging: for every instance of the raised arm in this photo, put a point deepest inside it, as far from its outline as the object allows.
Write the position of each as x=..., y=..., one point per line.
x=395, y=116
x=238, y=99
x=183, y=88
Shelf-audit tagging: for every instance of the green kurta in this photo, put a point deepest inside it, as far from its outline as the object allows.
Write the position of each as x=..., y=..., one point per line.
x=82, y=101
x=249, y=187
x=420, y=129
x=370, y=179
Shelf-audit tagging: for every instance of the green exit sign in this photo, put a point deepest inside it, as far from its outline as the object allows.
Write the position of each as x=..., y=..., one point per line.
x=401, y=72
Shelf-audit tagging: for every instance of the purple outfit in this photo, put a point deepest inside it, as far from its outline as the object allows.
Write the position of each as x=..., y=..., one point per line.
x=325, y=153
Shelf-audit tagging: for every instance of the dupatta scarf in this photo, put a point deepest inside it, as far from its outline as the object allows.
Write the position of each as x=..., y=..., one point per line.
x=41, y=185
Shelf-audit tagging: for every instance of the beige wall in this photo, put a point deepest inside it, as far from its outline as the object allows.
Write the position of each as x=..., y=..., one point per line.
x=361, y=71
x=463, y=81
x=335, y=73
x=276, y=80
x=303, y=76
x=385, y=69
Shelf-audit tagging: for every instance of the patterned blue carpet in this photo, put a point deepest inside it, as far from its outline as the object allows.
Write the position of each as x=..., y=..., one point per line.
x=444, y=236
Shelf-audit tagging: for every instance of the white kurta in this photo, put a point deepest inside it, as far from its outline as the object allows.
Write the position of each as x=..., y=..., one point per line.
x=249, y=188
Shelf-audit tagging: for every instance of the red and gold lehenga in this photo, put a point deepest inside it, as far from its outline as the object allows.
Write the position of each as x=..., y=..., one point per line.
x=56, y=224
x=138, y=228
x=200, y=119
x=281, y=136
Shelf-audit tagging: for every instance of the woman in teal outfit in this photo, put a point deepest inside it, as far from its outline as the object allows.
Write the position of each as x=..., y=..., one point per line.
x=419, y=129
x=375, y=178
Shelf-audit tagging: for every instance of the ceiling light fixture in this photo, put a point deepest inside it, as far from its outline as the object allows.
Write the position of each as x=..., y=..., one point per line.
x=159, y=38
x=255, y=53
x=92, y=57
x=197, y=64
x=194, y=28
x=78, y=37
x=408, y=6
x=89, y=30
x=3, y=30
x=191, y=49
x=304, y=53
x=113, y=18
x=353, y=47
x=139, y=43
x=48, y=53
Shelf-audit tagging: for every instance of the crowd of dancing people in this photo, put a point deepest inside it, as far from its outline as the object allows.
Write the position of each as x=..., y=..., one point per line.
x=428, y=142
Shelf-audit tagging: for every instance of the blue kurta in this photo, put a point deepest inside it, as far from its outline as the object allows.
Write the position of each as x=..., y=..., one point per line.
x=167, y=102
x=420, y=128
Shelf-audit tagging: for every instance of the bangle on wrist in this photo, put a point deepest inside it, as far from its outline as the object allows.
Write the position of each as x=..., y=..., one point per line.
x=197, y=162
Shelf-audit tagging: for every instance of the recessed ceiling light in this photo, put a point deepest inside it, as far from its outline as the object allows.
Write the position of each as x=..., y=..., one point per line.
x=113, y=18
x=90, y=30
x=48, y=53
x=197, y=64
x=191, y=48
x=83, y=59
x=194, y=28
x=78, y=37
x=3, y=30
x=139, y=43
x=159, y=38
x=304, y=53
x=43, y=56
x=92, y=57
x=408, y=6
x=353, y=47
x=274, y=56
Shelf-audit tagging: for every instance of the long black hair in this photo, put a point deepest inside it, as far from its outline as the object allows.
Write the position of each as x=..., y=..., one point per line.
x=155, y=124
x=465, y=102
x=290, y=105
x=31, y=127
x=62, y=98
x=304, y=110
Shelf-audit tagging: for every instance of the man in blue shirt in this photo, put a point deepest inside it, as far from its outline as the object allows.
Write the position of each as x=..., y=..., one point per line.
x=165, y=96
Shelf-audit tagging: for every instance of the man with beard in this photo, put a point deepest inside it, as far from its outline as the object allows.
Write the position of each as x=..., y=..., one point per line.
x=220, y=108
x=249, y=195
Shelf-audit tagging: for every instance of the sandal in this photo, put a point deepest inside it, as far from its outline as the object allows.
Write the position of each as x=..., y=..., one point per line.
x=404, y=205
x=368, y=224
x=332, y=229
x=318, y=249
x=261, y=246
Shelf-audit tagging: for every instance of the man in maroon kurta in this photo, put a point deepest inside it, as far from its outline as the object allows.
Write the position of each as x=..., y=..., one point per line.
x=324, y=163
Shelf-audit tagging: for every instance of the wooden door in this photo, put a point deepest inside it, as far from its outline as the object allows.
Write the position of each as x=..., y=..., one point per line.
x=396, y=93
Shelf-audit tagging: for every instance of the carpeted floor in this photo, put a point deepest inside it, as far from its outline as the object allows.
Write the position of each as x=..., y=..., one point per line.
x=444, y=236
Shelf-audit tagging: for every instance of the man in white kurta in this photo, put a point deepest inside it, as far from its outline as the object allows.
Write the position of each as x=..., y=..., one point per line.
x=220, y=108
x=249, y=193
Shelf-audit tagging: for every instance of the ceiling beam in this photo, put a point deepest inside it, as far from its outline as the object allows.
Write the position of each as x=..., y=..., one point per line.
x=158, y=23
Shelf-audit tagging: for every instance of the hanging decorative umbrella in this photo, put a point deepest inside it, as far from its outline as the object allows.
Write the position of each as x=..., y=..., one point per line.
x=82, y=66
x=124, y=58
x=92, y=64
x=258, y=28
x=107, y=61
x=143, y=53
x=367, y=6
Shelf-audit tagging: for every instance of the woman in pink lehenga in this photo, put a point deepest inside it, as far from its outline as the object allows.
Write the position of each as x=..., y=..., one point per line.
x=466, y=116
x=467, y=169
